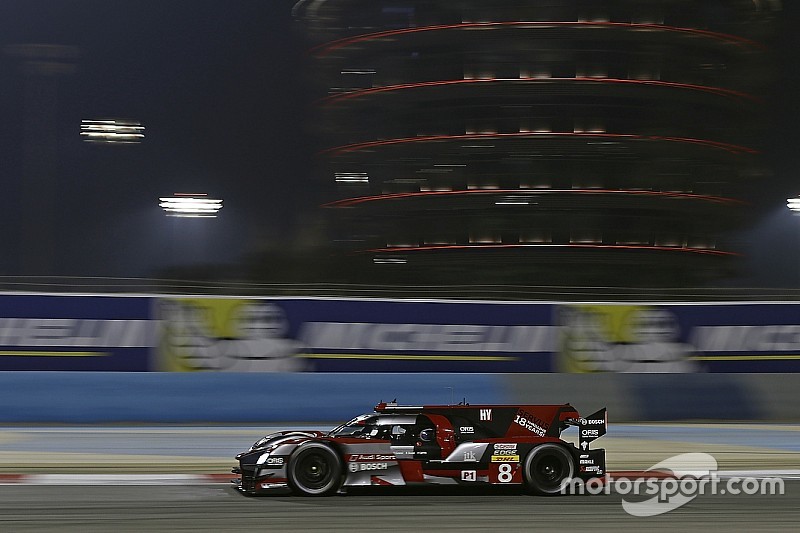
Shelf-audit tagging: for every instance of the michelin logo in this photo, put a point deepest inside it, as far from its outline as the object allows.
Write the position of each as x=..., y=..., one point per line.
x=77, y=332
x=785, y=338
x=427, y=337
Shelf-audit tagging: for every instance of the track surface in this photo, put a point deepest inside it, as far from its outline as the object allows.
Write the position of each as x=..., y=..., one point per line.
x=209, y=507
x=221, y=508
x=83, y=449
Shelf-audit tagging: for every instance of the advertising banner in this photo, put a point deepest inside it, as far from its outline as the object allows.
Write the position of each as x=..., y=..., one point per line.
x=737, y=337
x=353, y=336
x=226, y=334
x=95, y=333
x=623, y=338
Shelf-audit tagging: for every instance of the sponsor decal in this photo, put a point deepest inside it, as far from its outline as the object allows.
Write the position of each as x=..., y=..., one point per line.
x=268, y=460
x=486, y=415
x=469, y=456
x=469, y=475
x=505, y=453
x=505, y=458
x=466, y=429
x=370, y=457
x=531, y=422
x=590, y=433
x=367, y=467
x=505, y=446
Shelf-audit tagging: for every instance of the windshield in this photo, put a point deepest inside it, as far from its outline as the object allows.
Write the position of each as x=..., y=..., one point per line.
x=360, y=426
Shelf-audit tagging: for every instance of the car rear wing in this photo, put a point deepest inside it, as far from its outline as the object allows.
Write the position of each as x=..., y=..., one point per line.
x=592, y=427
x=591, y=463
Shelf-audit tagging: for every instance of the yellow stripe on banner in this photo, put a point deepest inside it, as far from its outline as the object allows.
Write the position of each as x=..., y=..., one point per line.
x=425, y=357
x=746, y=357
x=27, y=353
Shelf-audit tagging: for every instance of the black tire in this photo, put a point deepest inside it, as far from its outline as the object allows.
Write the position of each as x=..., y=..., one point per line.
x=548, y=469
x=315, y=469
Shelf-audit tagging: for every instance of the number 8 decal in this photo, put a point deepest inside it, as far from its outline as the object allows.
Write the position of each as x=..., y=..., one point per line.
x=504, y=474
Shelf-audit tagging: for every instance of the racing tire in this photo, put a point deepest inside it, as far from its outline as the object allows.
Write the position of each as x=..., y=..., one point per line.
x=548, y=469
x=315, y=469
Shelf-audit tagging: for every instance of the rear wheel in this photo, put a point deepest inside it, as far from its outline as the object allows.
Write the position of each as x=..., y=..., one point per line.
x=548, y=469
x=315, y=469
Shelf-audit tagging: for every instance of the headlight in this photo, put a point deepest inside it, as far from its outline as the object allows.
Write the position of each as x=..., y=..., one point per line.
x=263, y=458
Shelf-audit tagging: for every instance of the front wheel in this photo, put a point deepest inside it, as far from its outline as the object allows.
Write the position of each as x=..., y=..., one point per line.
x=315, y=469
x=548, y=469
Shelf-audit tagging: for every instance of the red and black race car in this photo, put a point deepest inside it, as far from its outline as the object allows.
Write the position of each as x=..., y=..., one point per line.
x=432, y=444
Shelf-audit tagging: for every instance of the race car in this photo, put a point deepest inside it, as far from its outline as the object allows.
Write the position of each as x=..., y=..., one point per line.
x=430, y=444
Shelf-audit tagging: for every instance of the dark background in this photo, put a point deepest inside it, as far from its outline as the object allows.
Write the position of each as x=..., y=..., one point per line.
x=218, y=86
x=222, y=89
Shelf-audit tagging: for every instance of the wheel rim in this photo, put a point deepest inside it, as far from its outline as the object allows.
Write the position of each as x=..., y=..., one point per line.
x=313, y=470
x=549, y=471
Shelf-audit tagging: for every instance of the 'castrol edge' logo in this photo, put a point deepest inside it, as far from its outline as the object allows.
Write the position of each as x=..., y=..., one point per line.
x=505, y=453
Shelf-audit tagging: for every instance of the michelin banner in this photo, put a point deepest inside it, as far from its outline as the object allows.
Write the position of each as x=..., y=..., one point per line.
x=337, y=335
x=222, y=334
x=89, y=333
x=241, y=335
x=738, y=337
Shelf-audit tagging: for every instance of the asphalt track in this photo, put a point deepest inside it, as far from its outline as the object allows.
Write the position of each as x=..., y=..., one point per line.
x=221, y=508
x=194, y=506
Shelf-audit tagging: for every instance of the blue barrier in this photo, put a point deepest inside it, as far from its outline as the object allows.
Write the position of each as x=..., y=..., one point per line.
x=233, y=398
x=693, y=397
x=110, y=397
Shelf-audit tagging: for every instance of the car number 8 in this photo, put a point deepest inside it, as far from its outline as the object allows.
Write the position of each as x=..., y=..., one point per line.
x=504, y=474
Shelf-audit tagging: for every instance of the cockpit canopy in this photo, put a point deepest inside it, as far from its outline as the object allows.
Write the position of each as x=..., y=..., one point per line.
x=391, y=427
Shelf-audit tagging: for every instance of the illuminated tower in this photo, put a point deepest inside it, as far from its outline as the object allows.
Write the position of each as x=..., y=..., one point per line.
x=539, y=142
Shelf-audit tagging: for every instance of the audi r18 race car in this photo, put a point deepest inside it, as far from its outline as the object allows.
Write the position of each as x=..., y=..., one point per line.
x=440, y=444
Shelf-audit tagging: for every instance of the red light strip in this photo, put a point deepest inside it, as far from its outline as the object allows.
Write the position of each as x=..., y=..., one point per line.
x=325, y=48
x=529, y=192
x=656, y=83
x=478, y=136
x=701, y=251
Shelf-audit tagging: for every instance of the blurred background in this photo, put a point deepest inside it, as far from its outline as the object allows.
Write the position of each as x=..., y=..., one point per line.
x=221, y=216
x=580, y=154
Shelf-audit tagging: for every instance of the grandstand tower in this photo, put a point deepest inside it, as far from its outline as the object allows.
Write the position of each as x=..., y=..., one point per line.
x=601, y=142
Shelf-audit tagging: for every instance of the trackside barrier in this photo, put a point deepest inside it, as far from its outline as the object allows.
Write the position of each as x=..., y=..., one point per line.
x=230, y=398
x=155, y=397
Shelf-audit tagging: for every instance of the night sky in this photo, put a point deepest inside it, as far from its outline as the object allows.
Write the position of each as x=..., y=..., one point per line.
x=219, y=86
